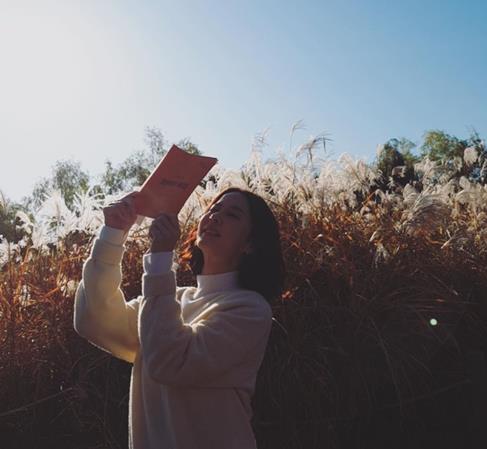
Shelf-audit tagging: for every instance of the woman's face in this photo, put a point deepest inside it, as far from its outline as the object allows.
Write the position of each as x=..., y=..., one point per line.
x=224, y=230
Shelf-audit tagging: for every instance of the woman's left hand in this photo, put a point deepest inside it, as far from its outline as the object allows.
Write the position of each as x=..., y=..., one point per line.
x=164, y=233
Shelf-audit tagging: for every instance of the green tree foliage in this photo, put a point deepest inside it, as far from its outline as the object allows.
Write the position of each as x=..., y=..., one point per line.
x=440, y=146
x=449, y=151
x=395, y=162
x=186, y=145
x=405, y=147
x=67, y=177
x=8, y=210
x=133, y=171
x=477, y=170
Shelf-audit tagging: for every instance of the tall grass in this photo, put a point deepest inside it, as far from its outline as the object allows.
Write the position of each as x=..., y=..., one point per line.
x=355, y=358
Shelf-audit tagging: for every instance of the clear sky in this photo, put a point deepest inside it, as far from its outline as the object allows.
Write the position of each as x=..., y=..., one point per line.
x=81, y=79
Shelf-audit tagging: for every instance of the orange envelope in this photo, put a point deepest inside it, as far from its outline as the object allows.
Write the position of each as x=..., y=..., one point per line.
x=171, y=183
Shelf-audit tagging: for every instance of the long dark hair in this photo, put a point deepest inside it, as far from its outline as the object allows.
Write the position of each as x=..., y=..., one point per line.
x=262, y=270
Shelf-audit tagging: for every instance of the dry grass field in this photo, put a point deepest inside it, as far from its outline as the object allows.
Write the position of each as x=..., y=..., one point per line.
x=378, y=341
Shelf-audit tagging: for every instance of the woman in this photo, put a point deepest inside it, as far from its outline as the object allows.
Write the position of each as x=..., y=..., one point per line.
x=195, y=351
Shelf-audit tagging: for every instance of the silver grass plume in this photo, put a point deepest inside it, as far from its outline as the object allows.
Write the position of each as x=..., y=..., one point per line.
x=426, y=214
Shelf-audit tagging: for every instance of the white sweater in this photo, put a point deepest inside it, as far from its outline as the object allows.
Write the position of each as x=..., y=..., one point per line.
x=195, y=351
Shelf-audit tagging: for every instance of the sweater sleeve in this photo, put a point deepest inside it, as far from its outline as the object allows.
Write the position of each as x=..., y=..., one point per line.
x=177, y=353
x=101, y=314
x=156, y=263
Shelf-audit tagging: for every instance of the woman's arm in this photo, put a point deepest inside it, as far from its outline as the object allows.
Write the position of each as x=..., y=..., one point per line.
x=176, y=353
x=101, y=314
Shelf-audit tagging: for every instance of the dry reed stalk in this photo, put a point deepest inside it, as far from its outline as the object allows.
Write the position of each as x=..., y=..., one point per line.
x=351, y=335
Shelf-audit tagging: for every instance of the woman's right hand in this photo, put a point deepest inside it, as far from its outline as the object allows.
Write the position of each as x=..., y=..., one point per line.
x=121, y=214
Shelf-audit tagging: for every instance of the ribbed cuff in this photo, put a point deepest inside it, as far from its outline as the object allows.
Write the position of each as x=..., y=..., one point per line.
x=107, y=252
x=158, y=284
x=157, y=263
x=113, y=235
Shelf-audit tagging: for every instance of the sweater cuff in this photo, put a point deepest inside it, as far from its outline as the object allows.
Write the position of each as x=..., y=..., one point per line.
x=158, y=284
x=107, y=252
x=157, y=263
x=113, y=235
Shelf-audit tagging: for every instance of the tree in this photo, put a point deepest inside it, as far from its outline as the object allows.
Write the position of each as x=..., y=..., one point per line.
x=186, y=145
x=67, y=177
x=440, y=146
x=450, y=152
x=8, y=222
x=405, y=147
x=134, y=170
x=395, y=162
x=475, y=159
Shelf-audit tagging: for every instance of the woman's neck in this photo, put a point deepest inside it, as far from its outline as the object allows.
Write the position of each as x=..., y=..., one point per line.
x=216, y=269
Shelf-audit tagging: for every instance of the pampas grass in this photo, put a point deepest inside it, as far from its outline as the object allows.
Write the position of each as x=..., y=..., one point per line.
x=352, y=347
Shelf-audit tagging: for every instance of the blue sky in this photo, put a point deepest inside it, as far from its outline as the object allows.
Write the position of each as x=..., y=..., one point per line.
x=82, y=79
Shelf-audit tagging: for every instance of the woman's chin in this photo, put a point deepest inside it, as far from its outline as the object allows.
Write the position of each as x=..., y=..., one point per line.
x=201, y=242
x=207, y=244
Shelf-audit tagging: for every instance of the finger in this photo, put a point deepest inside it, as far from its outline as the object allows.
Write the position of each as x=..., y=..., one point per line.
x=110, y=210
x=120, y=213
x=116, y=204
x=130, y=198
x=161, y=219
x=129, y=206
x=156, y=234
x=124, y=215
x=171, y=219
x=167, y=214
x=162, y=228
x=157, y=223
x=124, y=209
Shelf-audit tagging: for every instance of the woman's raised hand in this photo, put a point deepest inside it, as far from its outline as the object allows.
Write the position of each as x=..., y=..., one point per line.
x=164, y=233
x=121, y=214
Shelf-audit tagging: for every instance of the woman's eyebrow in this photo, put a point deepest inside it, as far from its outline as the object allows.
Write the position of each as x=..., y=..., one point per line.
x=218, y=206
x=237, y=208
